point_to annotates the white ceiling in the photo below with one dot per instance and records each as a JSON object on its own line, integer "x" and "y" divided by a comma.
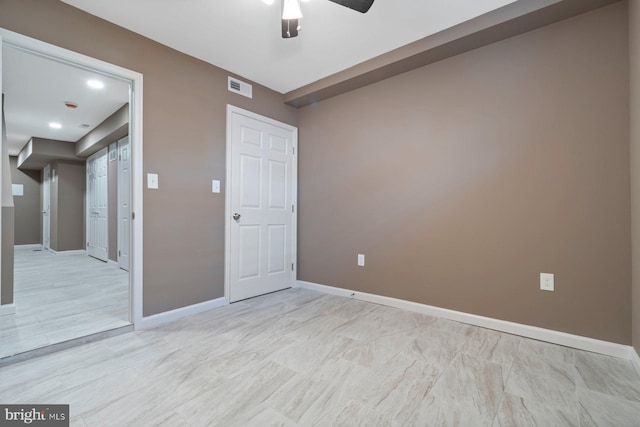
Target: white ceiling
{"x": 36, "y": 89}
{"x": 243, "y": 36}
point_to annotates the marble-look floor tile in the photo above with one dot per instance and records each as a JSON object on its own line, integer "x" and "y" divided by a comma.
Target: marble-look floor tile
{"x": 235, "y": 395}
{"x": 471, "y": 383}
{"x": 493, "y": 346}
{"x": 352, "y": 413}
{"x": 303, "y": 400}
{"x": 435, "y": 411}
{"x": 377, "y": 352}
{"x": 260, "y": 416}
{"x": 601, "y": 410}
{"x": 547, "y": 351}
{"x": 537, "y": 381}
{"x": 380, "y": 321}
{"x": 451, "y": 327}
{"x": 436, "y": 347}
{"x": 314, "y": 327}
{"x": 301, "y": 358}
{"x": 82, "y": 398}
{"x": 395, "y": 389}
{"x": 516, "y": 411}
{"x": 304, "y": 357}
{"x": 351, "y": 308}
{"x": 39, "y": 391}
{"x": 77, "y": 422}
{"x": 608, "y": 375}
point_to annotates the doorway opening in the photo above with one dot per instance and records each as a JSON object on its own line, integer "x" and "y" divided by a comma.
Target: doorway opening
{"x": 74, "y": 275}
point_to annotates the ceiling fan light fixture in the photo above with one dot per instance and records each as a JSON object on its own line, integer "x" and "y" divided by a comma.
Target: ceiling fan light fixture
{"x": 291, "y": 10}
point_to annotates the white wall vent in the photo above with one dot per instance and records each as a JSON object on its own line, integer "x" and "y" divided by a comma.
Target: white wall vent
{"x": 242, "y": 88}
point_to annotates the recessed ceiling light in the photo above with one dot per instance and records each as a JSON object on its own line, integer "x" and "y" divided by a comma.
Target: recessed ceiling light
{"x": 95, "y": 84}
{"x": 55, "y": 125}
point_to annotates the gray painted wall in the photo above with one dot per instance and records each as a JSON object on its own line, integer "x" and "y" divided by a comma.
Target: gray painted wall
{"x": 67, "y": 206}
{"x": 461, "y": 181}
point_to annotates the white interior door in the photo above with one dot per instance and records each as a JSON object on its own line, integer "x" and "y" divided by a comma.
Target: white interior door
{"x": 124, "y": 202}
{"x": 97, "y": 205}
{"x": 261, "y": 202}
{"x": 46, "y": 207}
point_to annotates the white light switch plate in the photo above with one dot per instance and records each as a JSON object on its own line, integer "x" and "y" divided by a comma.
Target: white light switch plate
{"x": 547, "y": 282}
{"x": 152, "y": 181}
{"x": 215, "y": 186}
{"x": 361, "y": 260}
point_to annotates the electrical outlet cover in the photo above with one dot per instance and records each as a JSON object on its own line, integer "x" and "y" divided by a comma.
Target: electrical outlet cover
{"x": 547, "y": 282}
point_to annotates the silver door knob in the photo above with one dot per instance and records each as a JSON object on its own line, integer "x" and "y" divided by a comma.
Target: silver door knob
{"x": 236, "y": 216}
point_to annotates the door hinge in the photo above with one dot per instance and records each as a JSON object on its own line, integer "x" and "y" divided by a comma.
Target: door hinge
{"x": 294, "y": 151}
{"x": 119, "y": 254}
{"x": 291, "y": 266}
{"x": 293, "y": 208}
{"x": 133, "y": 215}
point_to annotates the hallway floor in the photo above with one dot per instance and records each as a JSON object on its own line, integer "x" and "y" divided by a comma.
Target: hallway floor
{"x": 60, "y": 297}
{"x": 301, "y": 358}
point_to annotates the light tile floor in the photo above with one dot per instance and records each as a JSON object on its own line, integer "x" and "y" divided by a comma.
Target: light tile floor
{"x": 302, "y": 358}
{"x": 60, "y": 297}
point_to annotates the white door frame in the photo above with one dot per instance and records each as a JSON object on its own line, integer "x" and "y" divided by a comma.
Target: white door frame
{"x": 37, "y": 47}
{"x": 227, "y": 205}
{"x": 103, "y": 152}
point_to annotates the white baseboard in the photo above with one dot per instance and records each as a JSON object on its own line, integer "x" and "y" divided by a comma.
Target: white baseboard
{"x": 112, "y": 262}
{"x": 74, "y": 252}
{"x": 635, "y": 359}
{"x": 29, "y": 247}
{"x": 7, "y": 309}
{"x": 534, "y": 332}
{"x": 169, "y": 316}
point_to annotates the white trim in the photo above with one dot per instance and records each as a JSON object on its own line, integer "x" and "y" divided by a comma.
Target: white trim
{"x": 65, "y": 253}
{"x": 27, "y": 247}
{"x": 1, "y": 145}
{"x": 172, "y": 315}
{"x": 7, "y": 309}
{"x": 227, "y": 204}
{"x": 59, "y": 54}
{"x": 635, "y": 359}
{"x": 113, "y": 263}
{"x": 534, "y": 332}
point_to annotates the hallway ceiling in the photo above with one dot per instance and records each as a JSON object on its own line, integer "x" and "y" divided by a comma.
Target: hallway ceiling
{"x": 36, "y": 89}
{"x": 243, "y": 36}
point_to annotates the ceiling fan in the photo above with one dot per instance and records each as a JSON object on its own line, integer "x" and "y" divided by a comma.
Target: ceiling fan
{"x": 291, "y": 14}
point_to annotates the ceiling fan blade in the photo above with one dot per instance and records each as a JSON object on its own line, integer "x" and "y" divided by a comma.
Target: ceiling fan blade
{"x": 361, "y": 6}
{"x": 290, "y": 28}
